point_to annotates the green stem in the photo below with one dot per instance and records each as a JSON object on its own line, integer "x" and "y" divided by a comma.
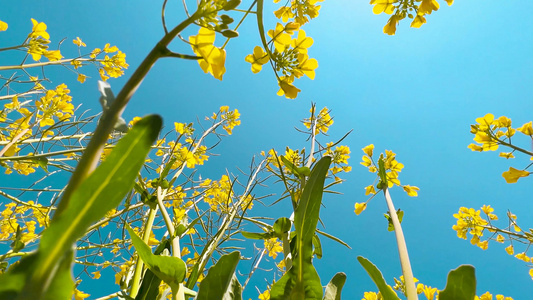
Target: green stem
{"x": 136, "y": 281}
{"x": 91, "y": 156}
{"x": 402, "y": 249}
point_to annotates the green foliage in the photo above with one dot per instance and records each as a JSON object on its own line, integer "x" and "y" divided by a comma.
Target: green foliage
{"x": 220, "y": 282}
{"x": 386, "y": 291}
{"x": 171, "y": 270}
{"x": 461, "y": 284}
{"x": 102, "y": 191}
{"x": 302, "y": 281}
{"x": 334, "y": 287}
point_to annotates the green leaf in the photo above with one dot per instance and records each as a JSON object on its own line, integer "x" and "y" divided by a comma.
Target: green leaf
{"x": 231, "y": 5}
{"x": 336, "y": 239}
{"x": 302, "y": 280}
{"x": 234, "y": 291}
{"x": 171, "y": 270}
{"x": 461, "y": 284}
{"x": 12, "y": 282}
{"x": 334, "y": 287}
{"x": 62, "y": 285}
{"x": 386, "y": 291}
{"x": 281, "y": 226}
{"x": 399, "y": 213}
{"x": 256, "y": 235}
{"x": 317, "y": 247}
{"x": 99, "y": 193}
{"x": 218, "y": 284}
{"x": 150, "y": 283}
{"x": 292, "y": 168}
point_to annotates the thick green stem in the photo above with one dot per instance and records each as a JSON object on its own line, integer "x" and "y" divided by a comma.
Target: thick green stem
{"x": 402, "y": 249}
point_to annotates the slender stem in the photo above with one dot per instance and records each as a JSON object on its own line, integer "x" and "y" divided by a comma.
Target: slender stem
{"x": 43, "y": 64}
{"x": 139, "y": 266}
{"x": 91, "y": 156}
{"x": 402, "y": 249}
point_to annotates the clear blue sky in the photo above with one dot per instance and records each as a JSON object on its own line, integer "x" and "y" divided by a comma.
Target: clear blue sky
{"x": 415, "y": 93}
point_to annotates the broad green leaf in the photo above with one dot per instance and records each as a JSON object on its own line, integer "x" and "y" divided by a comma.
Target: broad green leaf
{"x": 12, "y": 282}
{"x": 461, "y": 284}
{"x": 334, "y": 287}
{"x": 171, "y": 270}
{"x": 149, "y": 288}
{"x": 234, "y": 291}
{"x": 99, "y": 193}
{"x": 62, "y": 285}
{"x": 302, "y": 280}
{"x": 386, "y": 291}
{"x": 219, "y": 278}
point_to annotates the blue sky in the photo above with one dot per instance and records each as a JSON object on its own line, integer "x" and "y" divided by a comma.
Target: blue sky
{"x": 415, "y": 93}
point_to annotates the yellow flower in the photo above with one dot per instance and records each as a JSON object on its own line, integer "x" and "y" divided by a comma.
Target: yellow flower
{"x": 368, "y": 150}
{"x": 509, "y": 250}
{"x": 369, "y": 190}
{"x": 281, "y": 39}
{"x": 287, "y": 89}
{"x": 526, "y": 129}
{"x": 513, "y": 175}
{"x": 390, "y": 27}
{"x": 418, "y": 21}
{"x": 302, "y": 42}
{"x": 380, "y": 6}
{"x": 79, "y": 295}
{"x": 79, "y": 42}
{"x": 306, "y": 66}
{"x": 370, "y": 296}
{"x": 39, "y": 30}
{"x": 3, "y": 26}
{"x": 359, "y": 208}
{"x": 213, "y": 58}
{"x": 450, "y": 2}
{"x": 81, "y": 78}
{"x": 265, "y": 295}
{"x": 523, "y": 256}
{"x": 273, "y": 246}
{"x": 507, "y": 155}
{"x": 257, "y": 59}
{"x": 427, "y": 6}
{"x": 411, "y": 190}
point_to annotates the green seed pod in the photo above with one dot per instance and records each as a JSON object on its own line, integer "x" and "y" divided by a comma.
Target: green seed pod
{"x": 230, "y": 33}
{"x": 231, "y": 5}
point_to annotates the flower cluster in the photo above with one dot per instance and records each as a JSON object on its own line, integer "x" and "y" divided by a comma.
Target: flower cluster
{"x": 110, "y": 66}
{"x": 391, "y": 169}
{"x": 37, "y": 43}
{"x": 288, "y": 46}
{"x": 470, "y": 222}
{"x": 321, "y": 123}
{"x": 490, "y": 133}
{"x": 399, "y": 9}
{"x": 289, "y": 56}
{"x": 22, "y": 218}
